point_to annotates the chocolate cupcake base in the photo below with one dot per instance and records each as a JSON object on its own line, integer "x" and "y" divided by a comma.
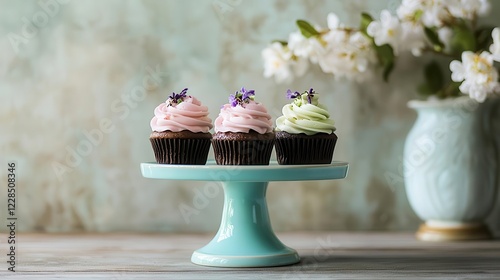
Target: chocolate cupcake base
{"x": 304, "y": 149}
{"x": 232, "y": 148}
{"x": 183, "y": 147}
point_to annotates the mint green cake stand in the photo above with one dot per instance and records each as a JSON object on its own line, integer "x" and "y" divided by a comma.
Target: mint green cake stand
{"x": 245, "y": 237}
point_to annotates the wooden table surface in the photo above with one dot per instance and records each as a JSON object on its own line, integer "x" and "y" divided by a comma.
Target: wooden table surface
{"x": 327, "y": 255}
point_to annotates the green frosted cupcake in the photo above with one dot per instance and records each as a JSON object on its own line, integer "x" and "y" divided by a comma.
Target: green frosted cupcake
{"x": 305, "y": 132}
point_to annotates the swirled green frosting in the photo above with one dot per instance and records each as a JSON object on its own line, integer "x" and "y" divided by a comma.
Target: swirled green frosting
{"x": 303, "y": 117}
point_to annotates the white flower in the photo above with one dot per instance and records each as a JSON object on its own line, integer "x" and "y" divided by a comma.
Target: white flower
{"x": 280, "y": 63}
{"x": 412, "y": 38}
{"x": 347, "y": 55}
{"x": 364, "y": 54}
{"x": 414, "y": 15}
{"x": 468, "y": 9}
{"x": 299, "y": 45}
{"x": 435, "y": 12}
{"x": 303, "y": 47}
{"x": 495, "y": 47}
{"x": 386, "y": 31}
{"x": 479, "y": 76}
{"x": 333, "y": 21}
{"x": 431, "y": 13}
{"x": 336, "y": 32}
{"x": 410, "y": 10}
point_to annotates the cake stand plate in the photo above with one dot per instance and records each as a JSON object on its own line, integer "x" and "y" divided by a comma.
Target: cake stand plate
{"x": 245, "y": 237}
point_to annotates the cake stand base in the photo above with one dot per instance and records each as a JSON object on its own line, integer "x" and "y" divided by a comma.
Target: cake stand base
{"x": 245, "y": 237}
{"x": 288, "y": 257}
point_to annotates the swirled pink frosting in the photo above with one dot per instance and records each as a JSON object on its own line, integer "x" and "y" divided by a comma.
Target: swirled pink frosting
{"x": 253, "y": 116}
{"x": 187, "y": 115}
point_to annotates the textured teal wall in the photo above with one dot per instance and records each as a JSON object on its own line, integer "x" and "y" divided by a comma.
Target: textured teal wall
{"x": 88, "y": 67}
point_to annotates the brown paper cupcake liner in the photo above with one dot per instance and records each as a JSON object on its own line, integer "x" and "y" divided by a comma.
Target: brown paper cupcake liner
{"x": 305, "y": 150}
{"x": 180, "y": 151}
{"x": 242, "y": 152}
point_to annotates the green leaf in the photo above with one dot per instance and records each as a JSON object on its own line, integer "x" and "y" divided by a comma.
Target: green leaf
{"x": 385, "y": 55}
{"x": 306, "y": 29}
{"x": 434, "y": 38}
{"x": 483, "y": 37}
{"x": 463, "y": 39}
{"x": 387, "y": 71}
{"x": 283, "y": 43}
{"x": 434, "y": 78}
{"x": 366, "y": 19}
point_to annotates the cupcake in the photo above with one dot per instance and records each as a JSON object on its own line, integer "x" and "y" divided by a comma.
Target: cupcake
{"x": 243, "y": 132}
{"x": 305, "y": 132}
{"x": 180, "y": 130}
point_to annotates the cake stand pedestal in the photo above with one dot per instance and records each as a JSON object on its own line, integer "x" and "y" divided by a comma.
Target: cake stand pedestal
{"x": 245, "y": 237}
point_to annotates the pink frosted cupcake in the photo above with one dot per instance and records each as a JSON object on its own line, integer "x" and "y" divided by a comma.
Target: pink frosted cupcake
{"x": 180, "y": 130}
{"x": 243, "y": 132}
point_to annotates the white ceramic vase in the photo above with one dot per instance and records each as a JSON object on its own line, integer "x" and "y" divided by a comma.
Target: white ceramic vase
{"x": 451, "y": 163}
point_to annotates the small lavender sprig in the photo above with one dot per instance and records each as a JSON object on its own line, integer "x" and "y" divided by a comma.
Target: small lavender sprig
{"x": 243, "y": 96}
{"x": 177, "y": 98}
{"x": 294, "y": 95}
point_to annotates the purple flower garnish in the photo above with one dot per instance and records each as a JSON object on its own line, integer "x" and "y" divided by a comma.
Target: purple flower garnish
{"x": 292, "y": 95}
{"x": 183, "y": 92}
{"x": 310, "y": 95}
{"x": 233, "y": 100}
{"x": 241, "y": 97}
{"x": 247, "y": 94}
{"x": 177, "y": 98}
